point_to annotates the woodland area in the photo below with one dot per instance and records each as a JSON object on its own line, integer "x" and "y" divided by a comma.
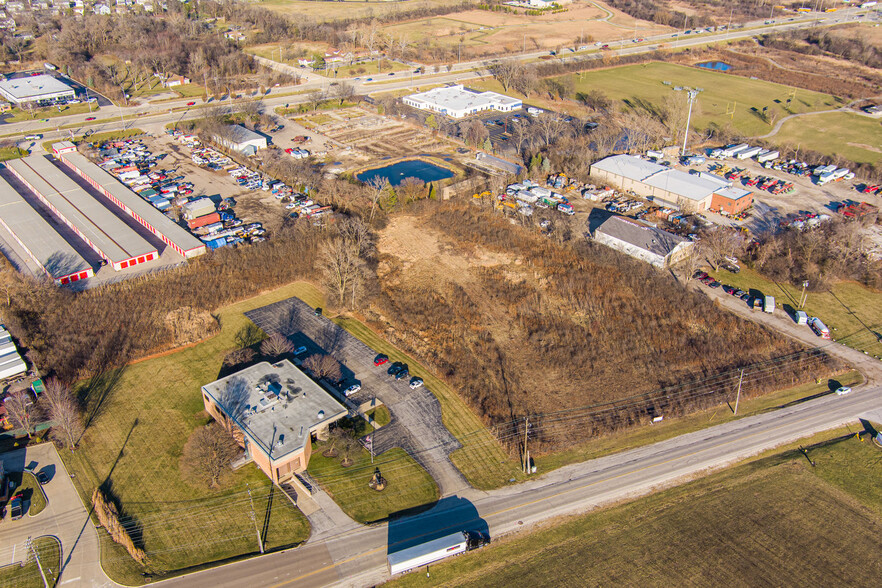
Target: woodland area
{"x": 571, "y": 325}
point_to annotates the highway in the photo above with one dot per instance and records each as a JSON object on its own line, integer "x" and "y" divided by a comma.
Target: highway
{"x": 111, "y": 118}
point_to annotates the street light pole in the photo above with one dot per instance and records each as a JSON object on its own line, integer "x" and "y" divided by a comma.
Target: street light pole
{"x": 692, "y": 94}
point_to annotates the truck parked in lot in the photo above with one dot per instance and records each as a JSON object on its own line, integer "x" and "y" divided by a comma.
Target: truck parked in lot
{"x": 819, "y": 328}
{"x": 769, "y": 304}
{"x": 435, "y": 550}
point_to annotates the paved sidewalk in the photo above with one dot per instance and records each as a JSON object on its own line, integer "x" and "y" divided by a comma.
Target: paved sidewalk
{"x": 64, "y": 517}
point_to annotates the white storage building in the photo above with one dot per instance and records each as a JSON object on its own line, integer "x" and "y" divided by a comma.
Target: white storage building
{"x": 458, "y": 101}
{"x": 39, "y": 88}
{"x": 238, "y": 138}
{"x": 654, "y": 246}
{"x": 11, "y": 363}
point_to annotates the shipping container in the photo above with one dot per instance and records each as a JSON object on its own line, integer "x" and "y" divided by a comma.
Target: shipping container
{"x": 203, "y": 220}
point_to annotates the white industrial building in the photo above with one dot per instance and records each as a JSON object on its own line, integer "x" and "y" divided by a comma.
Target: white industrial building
{"x": 458, "y": 101}
{"x": 238, "y": 138}
{"x": 654, "y": 246}
{"x": 41, "y": 88}
{"x": 671, "y": 187}
{"x": 11, "y": 363}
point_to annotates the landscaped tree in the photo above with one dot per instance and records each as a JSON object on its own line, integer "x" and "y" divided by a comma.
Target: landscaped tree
{"x": 239, "y": 356}
{"x": 23, "y": 411}
{"x": 323, "y": 366}
{"x": 64, "y": 411}
{"x": 276, "y": 345}
{"x": 108, "y": 516}
{"x": 208, "y": 453}
{"x": 249, "y": 335}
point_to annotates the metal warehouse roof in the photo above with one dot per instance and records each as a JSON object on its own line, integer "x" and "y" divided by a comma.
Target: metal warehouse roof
{"x": 683, "y": 184}
{"x": 240, "y": 134}
{"x": 645, "y": 237}
{"x": 733, "y": 193}
{"x": 48, "y": 248}
{"x": 628, "y": 166}
{"x": 279, "y": 415}
{"x": 109, "y": 233}
{"x": 135, "y": 204}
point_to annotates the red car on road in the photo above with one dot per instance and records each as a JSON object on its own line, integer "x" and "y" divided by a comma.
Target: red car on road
{"x": 90, "y": 118}
{"x": 191, "y": 104}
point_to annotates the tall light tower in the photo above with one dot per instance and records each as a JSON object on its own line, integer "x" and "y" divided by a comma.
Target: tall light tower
{"x": 692, "y": 94}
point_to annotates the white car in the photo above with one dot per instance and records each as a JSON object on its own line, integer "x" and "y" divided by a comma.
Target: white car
{"x": 842, "y": 390}
{"x": 352, "y": 389}
{"x": 415, "y": 383}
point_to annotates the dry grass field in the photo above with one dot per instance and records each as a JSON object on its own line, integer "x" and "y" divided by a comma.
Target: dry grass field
{"x": 482, "y": 32}
{"x": 774, "y": 522}
{"x": 326, "y": 11}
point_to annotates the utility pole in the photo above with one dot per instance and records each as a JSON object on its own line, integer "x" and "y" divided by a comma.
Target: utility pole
{"x": 30, "y": 545}
{"x": 691, "y": 94}
{"x": 526, "y": 455}
{"x": 738, "y": 396}
{"x": 254, "y": 519}
{"x": 803, "y": 295}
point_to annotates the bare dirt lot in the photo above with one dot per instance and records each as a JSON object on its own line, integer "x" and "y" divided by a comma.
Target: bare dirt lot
{"x": 356, "y": 137}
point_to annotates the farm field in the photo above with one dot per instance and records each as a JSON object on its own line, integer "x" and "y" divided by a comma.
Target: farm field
{"x": 133, "y": 445}
{"x": 856, "y": 137}
{"x": 326, "y": 11}
{"x": 774, "y": 521}
{"x": 636, "y": 86}
{"x": 482, "y": 32}
{"x": 852, "y": 311}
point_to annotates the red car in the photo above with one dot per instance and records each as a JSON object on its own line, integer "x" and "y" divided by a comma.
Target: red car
{"x": 380, "y": 359}
{"x": 191, "y": 104}
{"x": 90, "y": 118}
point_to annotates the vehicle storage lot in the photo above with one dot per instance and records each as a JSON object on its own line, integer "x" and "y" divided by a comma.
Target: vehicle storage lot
{"x": 251, "y": 205}
{"x": 770, "y": 210}
{"x": 416, "y": 414}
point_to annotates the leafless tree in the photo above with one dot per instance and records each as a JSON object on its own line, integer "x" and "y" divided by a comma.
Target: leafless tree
{"x": 693, "y": 261}
{"x": 411, "y": 190}
{"x": 403, "y": 42}
{"x": 720, "y": 242}
{"x": 344, "y": 91}
{"x": 550, "y": 126}
{"x": 314, "y": 98}
{"x": 63, "y": 410}
{"x": 208, "y": 453}
{"x": 323, "y": 366}
{"x": 276, "y": 345}
{"x": 378, "y": 187}
{"x": 239, "y": 356}
{"x": 506, "y": 71}
{"x": 23, "y": 410}
{"x": 342, "y": 269}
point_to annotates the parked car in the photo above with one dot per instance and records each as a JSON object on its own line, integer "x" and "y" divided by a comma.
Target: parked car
{"x": 15, "y": 507}
{"x": 728, "y": 289}
{"x": 415, "y": 382}
{"x": 714, "y": 284}
{"x": 300, "y": 350}
{"x": 403, "y": 373}
{"x": 352, "y": 389}
{"x": 842, "y": 390}
{"x": 381, "y": 359}
{"x": 699, "y": 275}
{"x": 42, "y": 478}
{"x": 395, "y": 368}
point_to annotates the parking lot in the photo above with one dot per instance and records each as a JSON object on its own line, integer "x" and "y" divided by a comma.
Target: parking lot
{"x": 416, "y": 414}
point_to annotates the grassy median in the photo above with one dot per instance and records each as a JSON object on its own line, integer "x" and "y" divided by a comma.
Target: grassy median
{"x": 775, "y": 521}
{"x": 28, "y": 575}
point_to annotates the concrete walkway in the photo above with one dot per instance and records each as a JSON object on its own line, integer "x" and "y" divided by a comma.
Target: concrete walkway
{"x": 64, "y": 517}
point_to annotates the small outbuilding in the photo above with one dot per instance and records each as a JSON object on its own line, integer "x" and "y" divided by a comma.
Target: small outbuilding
{"x": 238, "y": 138}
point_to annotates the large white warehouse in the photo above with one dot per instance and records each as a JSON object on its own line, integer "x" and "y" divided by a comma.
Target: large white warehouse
{"x": 458, "y": 101}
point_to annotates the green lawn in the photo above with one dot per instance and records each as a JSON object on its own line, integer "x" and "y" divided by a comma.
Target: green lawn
{"x": 380, "y": 415}
{"x": 144, "y": 415}
{"x": 481, "y": 459}
{"x": 28, "y": 576}
{"x": 859, "y": 138}
{"x": 631, "y": 86}
{"x": 775, "y": 521}
{"x": 19, "y": 115}
{"x": 408, "y": 484}
{"x": 853, "y": 312}
{"x": 32, "y": 493}
{"x": 7, "y": 153}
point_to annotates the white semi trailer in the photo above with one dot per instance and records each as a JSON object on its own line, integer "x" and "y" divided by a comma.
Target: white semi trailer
{"x": 434, "y": 550}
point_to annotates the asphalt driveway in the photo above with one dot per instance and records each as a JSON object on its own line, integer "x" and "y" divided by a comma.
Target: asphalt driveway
{"x": 416, "y": 423}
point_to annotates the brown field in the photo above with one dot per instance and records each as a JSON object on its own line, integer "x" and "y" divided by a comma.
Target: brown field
{"x": 486, "y": 305}
{"x": 483, "y": 32}
{"x": 326, "y": 11}
{"x": 871, "y": 34}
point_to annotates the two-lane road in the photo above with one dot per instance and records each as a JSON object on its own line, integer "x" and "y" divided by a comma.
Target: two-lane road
{"x": 358, "y": 558}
